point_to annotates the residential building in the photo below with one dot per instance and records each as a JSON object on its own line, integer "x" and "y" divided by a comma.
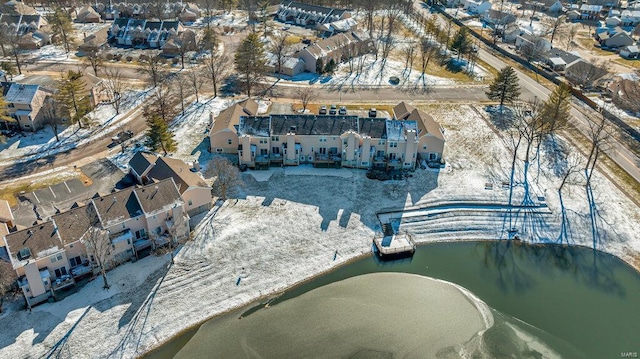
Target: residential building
{"x": 140, "y": 165}
{"x": 97, "y": 88}
{"x": 291, "y": 66}
{"x": 6, "y": 214}
{"x": 477, "y": 6}
{"x": 48, "y": 255}
{"x": 87, "y": 14}
{"x": 573, "y": 15}
{"x": 629, "y": 52}
{"x": 25, "y": 104}
{"x": 309, "y": 15}
{"x": 331, "y": 28}
{"x": 190, "y": 13}
{"x": 339, "y": 140}
{"x": 27, "y": 29}
{"x": 585, "y": 74}
{"x": 590, "y": 12}
{"x": 496, "y": 17}
{"x": 629, "y": 17}
{"x": 223, "y": 135}
{"x": 613, "y": 21}
{"x": 554, "y": 7}
{"x": 94, "y": 42}
{"x": 144, "y": 33}
{"x": 194, "y": 191}
{"x": 339, "y": 48}
{"x": 531, "y": 46}
{"x": 625, "y": 94}
{"x": 558, "y": 60}
{"x": 619, "y": 39}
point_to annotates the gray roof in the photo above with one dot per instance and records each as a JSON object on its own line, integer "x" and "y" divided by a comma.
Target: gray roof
{"x": 308, "y": 7}
{"x": 159, "y": 195}
{"x": 167, "y": 167}
{"x": 141, "y": 161}
{"x": 566, "y": 56}
{"x": 313, "y": 125}
{"x": 117, "y": 207}
{"x": 73, "y": 224}
{"x": 396, "y": 129}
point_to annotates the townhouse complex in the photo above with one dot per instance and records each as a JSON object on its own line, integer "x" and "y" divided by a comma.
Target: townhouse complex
{"x": 51, "y": 255}
{"x": 402, "y": 142}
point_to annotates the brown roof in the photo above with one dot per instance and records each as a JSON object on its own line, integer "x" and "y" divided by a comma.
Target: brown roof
{"x": 117, "y": 207}
{"x": 141, "y": 161}
{"x": 167, "y": 167}
{"x": 5, "y": 211}
{"x": 87, "y": 12}
{"x": 402, "y": 110}
{"x": 159, "y": 195}
{"x": 37, "y": 238}
{"x": 230, "y": 117}
{"x": 4, "y": 230}
{"x": 73, "y": 224}
{"x": 426, "y": 123}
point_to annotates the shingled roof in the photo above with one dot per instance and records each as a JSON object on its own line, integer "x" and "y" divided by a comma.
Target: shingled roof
{"x": 167, "y": 167}
{"x": 73, "y": 224}
{"x": 426, "y": 124}
{"x": 229, "y": 117}
{"x": 117, "y": 207}
{"x": 141, "y": 161}
{"x": 158, "y": 196}
{"x": 38, "y": 239}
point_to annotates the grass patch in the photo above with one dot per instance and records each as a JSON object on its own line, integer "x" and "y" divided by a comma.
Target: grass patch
{"x": 629, "y": 63}
{"x": 588, "y": 43}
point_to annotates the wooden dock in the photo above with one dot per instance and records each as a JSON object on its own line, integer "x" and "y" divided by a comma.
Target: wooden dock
{"x": 396, "y": 245}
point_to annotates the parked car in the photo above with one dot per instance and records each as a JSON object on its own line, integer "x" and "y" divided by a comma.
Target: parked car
{"x": 333, "y": 110}
{"x": 122, "y": 136}
{"x": 373, "y": 112}
{"x": 306, "y": 41}
{"x": 394, "y": 80}
{"x": 323, "y": 110}
{"x": 342, "y": 110}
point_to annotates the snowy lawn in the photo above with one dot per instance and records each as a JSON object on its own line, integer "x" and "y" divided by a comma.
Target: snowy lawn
{"x": 287, "y": 229}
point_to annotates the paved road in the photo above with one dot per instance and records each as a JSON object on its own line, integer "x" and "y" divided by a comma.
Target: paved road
{"x": 619, "y": 153}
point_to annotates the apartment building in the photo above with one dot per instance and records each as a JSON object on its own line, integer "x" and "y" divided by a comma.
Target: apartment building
{"x": 49, "y": 256}
{"x": 309, "y": 15}
{"x": 340, "y": 140}
{"x": 144, "y": 33}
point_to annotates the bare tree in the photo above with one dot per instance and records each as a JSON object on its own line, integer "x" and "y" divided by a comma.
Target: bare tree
{"x": 226, "y": 177}
{"x": 7, "y": 280}
{"x": 527, "y": 120}
{"x": 306, "y": 95}
{"x": 534, "y": 50}
{"x": 152, "y": 69}
{"x": 409, "y": 57}
{"x": 51, "y": 115}
{"x": 182, "y": 87}
{"x": 280, "y": 49}
{"x": 427, "y": 50}
{"x": 93, "y": 58}
{"x": 217, "y": 67}
{"x": 557, "y": 26}
{"x": 586, "y": 74}
{"x": 196, "y": 81}
{"x": 116, "y": 86}
{"x": 99, "y": 244}
{"x": 568, "y": 173}
{"x": 570, "y": 36}
{"x": 163, "y": 101}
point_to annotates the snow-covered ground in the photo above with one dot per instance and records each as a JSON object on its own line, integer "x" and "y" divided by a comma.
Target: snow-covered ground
{"x": 611, "y": 107}
{"x": 49, "y": 53}
{"x": 287, "y": 229}
{"x": 31, "y": 146}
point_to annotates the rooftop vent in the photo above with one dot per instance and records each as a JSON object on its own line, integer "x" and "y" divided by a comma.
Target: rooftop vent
{"x": 24, "y": 253}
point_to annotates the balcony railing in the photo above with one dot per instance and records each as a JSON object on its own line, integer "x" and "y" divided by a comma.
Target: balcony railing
{"x": 327, "y": 158}
{"x": 62, "y": 282}
{"x": 262, "y": 159}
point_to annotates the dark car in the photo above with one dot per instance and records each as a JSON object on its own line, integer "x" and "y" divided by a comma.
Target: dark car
{"x": 342, "y": 110}
{"x": 373, "y": 112}
{"x": 122, "y": 136}
{"x": 323, "y": 110}
{"x": 333, "y": 110}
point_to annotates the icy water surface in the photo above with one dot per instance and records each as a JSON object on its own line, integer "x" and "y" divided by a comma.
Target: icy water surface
{"x": 541, "y": 302}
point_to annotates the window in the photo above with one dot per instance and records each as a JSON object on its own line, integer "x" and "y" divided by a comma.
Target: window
{"x": 219, "y": 150}
{"x": 27, "y": 126}
{"x": 275, "y": 150}
{"x": 190, "y": 202}
{"x": 141, "y": 234}
{"x": 381, "y": 143}
{"x": 322, "y": 139}
{"x": 322, "y": 150}
{"x": 365, "y": 163}
{"x": 275, "y": 138}
{"x": 263, "y": 140}
{"x": 393, "y": 144}
{"x": 392, "y": 156}
{"x": 264, "y": 152}
{"x": 75, "y": 261}
{"x": 229, "y": 141}
{"x": 57, "y": 257}
{"x": 60, "y": 272}
{"x": 432, "y": 156}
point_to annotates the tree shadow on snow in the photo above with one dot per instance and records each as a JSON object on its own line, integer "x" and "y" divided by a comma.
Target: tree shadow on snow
{"x": 338, "y": 198}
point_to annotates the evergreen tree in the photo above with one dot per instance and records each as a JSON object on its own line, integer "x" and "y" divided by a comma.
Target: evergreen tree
{"x": 209, "y": 40}
{"x": 159, "y": 136}
{"x": 331, "y": 66}
{"x": 250, "y": 62}
{"x": 555, "y": 111}
{"x": 319, "y": 66}
{"x": 61, "y": 27}
{"x": 461, "y": 42}
{"x": 505, "y": 87}
{"x": 4, "y": 113}
{"x": 73, "y": 97}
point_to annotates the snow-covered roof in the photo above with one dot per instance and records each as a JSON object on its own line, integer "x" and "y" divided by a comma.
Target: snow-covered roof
{"x": 557, "y": 61}
{"x": 21, "y": 93}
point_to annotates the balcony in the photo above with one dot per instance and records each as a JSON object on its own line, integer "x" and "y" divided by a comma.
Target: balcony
{"x": 276, "y": 158}
{"x": 327, "y": 158}
{"x": 62, "y": 282}
{"x": 262, "y": 159}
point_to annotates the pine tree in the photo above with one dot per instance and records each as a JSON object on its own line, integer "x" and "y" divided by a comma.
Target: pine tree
{"x": 73, "y": 97}
{"x": 250, "y": 62}
{"x": 209, "y": 40}
{"x": 505, "y": 87}
{"x": 159, "y": 136}
{"x": 4, "y": 113}
{"x": 461, "y": 42}
{"x": 61, "y": 27}
{"x": 555, "y": 111}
